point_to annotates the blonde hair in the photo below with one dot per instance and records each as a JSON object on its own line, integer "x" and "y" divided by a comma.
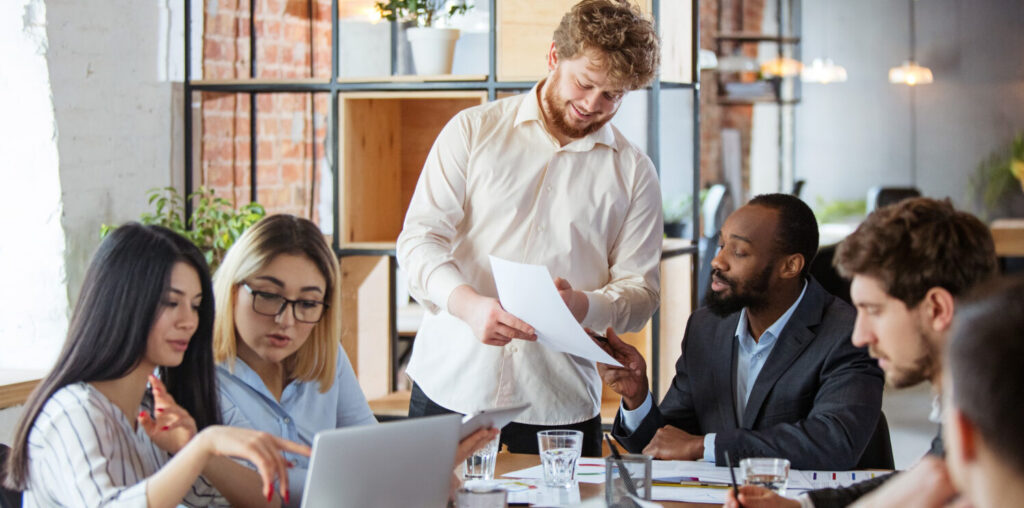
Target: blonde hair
{"x": 255, "y": 249}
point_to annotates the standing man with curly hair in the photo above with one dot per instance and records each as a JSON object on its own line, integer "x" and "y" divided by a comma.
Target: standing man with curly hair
{"x": 539, "y": 178}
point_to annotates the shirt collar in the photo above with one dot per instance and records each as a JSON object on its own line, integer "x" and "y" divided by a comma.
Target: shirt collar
{"x": 773, "y": 331}
{"x": 529, "y": 111}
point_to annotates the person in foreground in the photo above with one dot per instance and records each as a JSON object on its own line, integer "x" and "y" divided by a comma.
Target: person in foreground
{"x": 92, "y": 433}
{"x": 909, "y": 263}
{"x": 983, "y": 393}
{"x": 539, "y": 178}
{"x": 282, "y": 369}
{"x": 767, "y": 367}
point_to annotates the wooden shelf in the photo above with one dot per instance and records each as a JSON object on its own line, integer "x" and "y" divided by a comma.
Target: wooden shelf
{"x": 756, "y": 37}
{"x": 414, "y": 78}
{"x": 1009, "y": 237}
{"x": 260, "y": 81}
{"x": 384, "y": 140}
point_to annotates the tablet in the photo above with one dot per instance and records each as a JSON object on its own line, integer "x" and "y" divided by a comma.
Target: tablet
{"x": 497, "y": 418}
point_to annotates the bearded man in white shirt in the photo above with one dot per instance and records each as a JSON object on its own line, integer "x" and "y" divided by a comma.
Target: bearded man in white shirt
{"x": 540, "y": 178}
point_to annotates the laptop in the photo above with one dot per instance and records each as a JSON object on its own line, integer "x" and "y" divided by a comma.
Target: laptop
{"x": 390, "y": 465}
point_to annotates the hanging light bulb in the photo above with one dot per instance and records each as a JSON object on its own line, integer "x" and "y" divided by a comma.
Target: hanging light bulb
{"x": 910, "y": 73}
{"x": 823, "y": 71}
{"x": 782, "y": 67}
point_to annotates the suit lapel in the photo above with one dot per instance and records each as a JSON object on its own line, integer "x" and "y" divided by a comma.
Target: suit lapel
{"x": 723, "y": 367}
{"x": 795, "y": 337}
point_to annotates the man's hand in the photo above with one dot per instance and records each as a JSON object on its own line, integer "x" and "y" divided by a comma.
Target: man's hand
{"x": 484, "y": 315}
{"x": 758, "y": 497}
{"x": 576, "y": 301}
{"x": 630, "y": 380}
{"x": 673, "y": 443}
{"x": 925, "y": 485}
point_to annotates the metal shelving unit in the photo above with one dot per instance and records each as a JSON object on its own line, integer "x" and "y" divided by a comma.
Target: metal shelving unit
{"x": 489, "y": 83}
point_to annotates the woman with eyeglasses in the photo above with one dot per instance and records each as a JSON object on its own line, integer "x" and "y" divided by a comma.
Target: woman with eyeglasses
{"x": 101, "y": 429}
{"x": 277, "y": 340}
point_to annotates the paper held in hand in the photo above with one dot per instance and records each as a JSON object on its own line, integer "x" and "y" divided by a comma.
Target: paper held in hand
{"x": 529, "y": 293}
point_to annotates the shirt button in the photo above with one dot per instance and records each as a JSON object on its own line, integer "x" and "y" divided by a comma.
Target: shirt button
{"x": 513, "y": 349}
{"x": 287, "y": 420}
{"x": 548, "y": 188}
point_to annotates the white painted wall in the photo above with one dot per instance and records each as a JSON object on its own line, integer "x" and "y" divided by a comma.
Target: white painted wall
{"x": 92, "y": 105}
{"x": 851, "y": 136}
{"x": 119, "y": 124}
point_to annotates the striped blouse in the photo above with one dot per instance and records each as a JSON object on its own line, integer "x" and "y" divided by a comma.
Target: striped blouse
{"x": 84, "y": 452}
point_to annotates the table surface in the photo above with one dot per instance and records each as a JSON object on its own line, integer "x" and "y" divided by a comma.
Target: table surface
{"x": 508, "y": 462}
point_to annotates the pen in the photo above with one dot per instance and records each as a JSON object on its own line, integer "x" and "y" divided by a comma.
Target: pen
{"x": 623, "y": 473}
{"x": 732, "y": 475}
{"x": 600, "y": 338}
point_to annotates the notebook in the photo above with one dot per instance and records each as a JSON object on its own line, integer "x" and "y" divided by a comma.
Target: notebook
{"x": 390, "y": 465}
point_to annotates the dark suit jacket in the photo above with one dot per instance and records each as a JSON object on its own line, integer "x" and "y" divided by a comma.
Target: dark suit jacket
{"x": 837, "y": 498}
{"x": 816, "y": 401}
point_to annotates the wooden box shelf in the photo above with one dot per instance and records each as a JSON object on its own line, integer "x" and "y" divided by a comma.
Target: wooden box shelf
{"x": 384, "y": 141}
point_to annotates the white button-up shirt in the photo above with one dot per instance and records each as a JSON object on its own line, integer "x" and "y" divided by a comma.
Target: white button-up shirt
{"x": 496, "y": 182}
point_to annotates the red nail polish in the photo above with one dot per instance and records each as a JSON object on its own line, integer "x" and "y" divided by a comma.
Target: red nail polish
{"x": 165, "y": 427}
{"x": 286, "y": 497}
{"x": 159, "y": 410}
{"x": 142, "y": 414}
{"x": 270, "y": 493}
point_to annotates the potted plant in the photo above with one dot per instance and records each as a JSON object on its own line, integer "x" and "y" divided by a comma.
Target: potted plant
{"x": 213, "y": 227}
{"x": 677, "y": 212}
{"x": 998, "y": 182}
{"x": 433, "y": 47}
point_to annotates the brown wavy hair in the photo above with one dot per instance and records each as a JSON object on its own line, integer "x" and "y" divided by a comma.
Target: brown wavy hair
{"x": 626, "y": 39}
{"x": 917, "y": 244}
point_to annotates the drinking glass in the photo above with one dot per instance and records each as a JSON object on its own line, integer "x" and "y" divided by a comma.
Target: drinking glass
{"x": 559, "y": 451}
{"x": 772, "y": 474}
{"x": 480, "y": 465}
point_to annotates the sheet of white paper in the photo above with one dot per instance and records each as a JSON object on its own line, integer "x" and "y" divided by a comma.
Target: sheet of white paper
{"x": 588, "y": 470}
{"x": 688, "y": 494}
{"x": 806, "y": 480}
{"x": 677, "y": 470}
{"x": 528, "y": 292}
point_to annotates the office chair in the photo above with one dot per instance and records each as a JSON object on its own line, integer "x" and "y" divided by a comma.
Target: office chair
{"x": 8, "y": 498}
{"x": 878, "y": 453}
{"x": 881, "y": 196}
{"x": 717, "y": 206}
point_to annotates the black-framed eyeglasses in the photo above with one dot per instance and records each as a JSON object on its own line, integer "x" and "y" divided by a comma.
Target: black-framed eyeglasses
{"x": 270, "y": 304}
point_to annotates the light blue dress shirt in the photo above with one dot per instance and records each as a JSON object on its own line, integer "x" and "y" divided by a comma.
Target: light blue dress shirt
{"x": 750, "y": 358}
{"x": 302, "y": 412}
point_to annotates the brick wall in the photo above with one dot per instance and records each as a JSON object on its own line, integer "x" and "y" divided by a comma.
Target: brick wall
{"x": 736, "y": 15}
{"x": 293, "y": 40}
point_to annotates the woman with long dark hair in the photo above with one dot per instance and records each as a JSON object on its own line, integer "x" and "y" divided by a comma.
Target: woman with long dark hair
{"x": 93, "y": 434}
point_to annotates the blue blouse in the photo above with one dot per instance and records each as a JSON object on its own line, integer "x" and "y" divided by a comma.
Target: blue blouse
{"x": 302, "y": 412}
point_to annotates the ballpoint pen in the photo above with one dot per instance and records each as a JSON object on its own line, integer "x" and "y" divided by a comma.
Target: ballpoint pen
{"x": 732, "y": 475}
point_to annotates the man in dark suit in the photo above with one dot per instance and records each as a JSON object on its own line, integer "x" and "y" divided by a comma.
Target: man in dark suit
{"x": 767, "y": 367}
{"x": 909, "y": 263}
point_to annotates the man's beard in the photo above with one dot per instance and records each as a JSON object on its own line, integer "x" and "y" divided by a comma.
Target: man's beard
{"x": 922, "y": 368}
{"x": 752, "y": 294}
{"x": 557, "y": 111}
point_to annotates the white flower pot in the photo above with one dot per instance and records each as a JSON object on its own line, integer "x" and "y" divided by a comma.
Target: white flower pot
{"x": 432, "y": 49}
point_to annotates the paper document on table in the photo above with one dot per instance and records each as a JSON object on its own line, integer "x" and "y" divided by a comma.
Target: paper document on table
{"x": 807, "y": 480}
{"x": 588, "y": 470}
{"x": 528, "y": 292}
{"x": 675, "y": 471}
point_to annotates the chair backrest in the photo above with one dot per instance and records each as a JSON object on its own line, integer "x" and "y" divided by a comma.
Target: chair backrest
{"x": 827, "y": 275}
{"x": 8, "y": 498}
{"x": 878, "y": 454}
{"x": 882, "y": 196}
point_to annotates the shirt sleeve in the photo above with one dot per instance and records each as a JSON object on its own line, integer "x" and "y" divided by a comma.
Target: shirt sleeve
{"x": 632, "y": 294}
{"x": 631, "y": 419}
{"x": 74, "y": 461}
{"x": 709, "y": 447}
{"x": 352, "y": 406}
{"x": 424, "y": 246}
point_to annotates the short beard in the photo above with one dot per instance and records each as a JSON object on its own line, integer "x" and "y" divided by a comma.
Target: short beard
{"x": 557, "y": 112}
{"x": 923, "y": 368}
{"x": 752, "y": 295}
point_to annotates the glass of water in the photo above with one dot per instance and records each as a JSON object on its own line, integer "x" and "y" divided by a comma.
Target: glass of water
{"x": 772, "y": 474}
{"x": 559, "y": 451}
{"x": 480, "y": 465}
